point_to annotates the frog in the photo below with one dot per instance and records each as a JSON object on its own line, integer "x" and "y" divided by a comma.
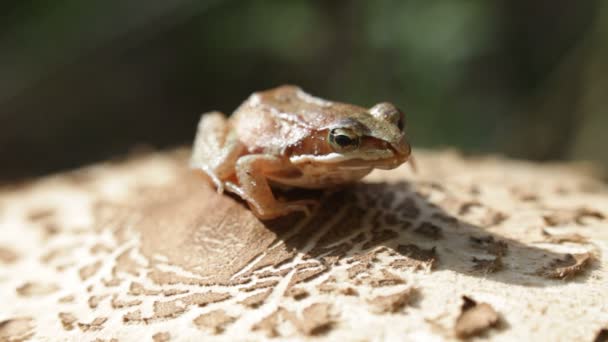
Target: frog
{"x": 285, "y": 137}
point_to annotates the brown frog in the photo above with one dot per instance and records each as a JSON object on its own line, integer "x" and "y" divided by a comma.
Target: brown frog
{"x": 286, "y": 137}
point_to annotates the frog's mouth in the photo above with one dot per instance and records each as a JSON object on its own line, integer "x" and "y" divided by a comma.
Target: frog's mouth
{"x": 381, "y": 159}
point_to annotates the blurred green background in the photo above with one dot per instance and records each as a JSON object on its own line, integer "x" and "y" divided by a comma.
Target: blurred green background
{"x": 82, "y": 81}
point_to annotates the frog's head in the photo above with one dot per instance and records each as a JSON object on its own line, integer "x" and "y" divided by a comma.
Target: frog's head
{"x": 373, "y": 138}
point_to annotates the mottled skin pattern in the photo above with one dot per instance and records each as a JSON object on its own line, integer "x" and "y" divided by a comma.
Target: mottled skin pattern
{"x": 142, "y": 251}
{"x": 285, "y": 136}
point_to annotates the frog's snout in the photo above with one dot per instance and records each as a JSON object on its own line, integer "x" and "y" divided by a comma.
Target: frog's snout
{"x": 402, "y": 148}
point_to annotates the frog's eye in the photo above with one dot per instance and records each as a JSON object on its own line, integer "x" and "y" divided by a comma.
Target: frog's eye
{"x": 388, "y": 112}
{"x": 343, "y": 139}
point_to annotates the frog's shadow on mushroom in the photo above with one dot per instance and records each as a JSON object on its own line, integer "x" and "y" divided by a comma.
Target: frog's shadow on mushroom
{"x": 397, "y": 220}
{"x": 217, "y": 238}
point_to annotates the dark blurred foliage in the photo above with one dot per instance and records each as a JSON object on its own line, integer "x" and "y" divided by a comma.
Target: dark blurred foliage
{"x": 81, "y": 81}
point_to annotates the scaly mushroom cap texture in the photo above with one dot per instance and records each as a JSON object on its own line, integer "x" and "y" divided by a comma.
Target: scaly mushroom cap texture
{"x": 144, "y": 249}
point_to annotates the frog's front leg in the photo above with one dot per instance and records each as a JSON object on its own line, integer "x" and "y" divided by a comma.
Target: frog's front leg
{"x": 252, "y": 171}
{"x": 216, "y": 149}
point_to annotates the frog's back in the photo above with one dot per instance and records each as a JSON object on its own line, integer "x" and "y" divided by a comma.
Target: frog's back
{"x": 271, "y": 120}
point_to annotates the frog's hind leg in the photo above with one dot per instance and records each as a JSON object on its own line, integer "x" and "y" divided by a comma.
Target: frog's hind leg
{"x": 216, "y": 149}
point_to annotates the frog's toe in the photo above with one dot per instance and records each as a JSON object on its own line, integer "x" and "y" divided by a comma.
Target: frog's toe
{"x": 285, "y": 208}
{"x": 217, "y": 182}
{"x": 305, "y": 206}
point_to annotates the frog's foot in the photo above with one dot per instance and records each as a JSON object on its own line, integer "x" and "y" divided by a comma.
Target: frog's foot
{"x": 219, "y": 185}
{"x": 235, "y": 189}
{"x": 284, "y": 208}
